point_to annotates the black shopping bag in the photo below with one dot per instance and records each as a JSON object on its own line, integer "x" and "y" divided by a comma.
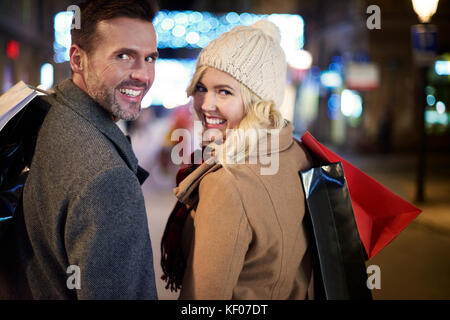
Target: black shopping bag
{"x": 22, "y": 112}
{"x": 339, "y": 268}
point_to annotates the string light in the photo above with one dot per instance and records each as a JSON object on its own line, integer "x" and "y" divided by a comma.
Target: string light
{"x": 193, "y": 29}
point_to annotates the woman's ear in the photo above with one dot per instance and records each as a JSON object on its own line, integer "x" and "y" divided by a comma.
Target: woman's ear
{"x": 77, "y": 57}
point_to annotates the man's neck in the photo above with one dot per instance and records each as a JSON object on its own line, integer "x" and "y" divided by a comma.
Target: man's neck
{"x": 78, "y": 80}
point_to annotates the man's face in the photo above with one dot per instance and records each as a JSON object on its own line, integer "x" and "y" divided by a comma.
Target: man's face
{"x": 121, "y": 67}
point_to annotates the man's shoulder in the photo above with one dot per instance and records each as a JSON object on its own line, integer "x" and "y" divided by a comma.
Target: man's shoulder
{"x": 63, "y": 122}
{"x": 67, "y": 137}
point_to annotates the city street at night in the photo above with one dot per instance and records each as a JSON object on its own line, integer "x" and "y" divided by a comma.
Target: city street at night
{"x": 414, "y": 266}
{"x": 103, "y": 103}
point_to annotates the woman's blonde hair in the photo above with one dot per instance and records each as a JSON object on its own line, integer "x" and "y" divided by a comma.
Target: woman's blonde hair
{"x": 259, "y": 114}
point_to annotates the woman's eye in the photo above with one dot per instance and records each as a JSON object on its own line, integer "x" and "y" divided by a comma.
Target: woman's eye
{"x": 123, "y": 56}
{"x": 225, "y": 92}
{"x": 200, "y": 88}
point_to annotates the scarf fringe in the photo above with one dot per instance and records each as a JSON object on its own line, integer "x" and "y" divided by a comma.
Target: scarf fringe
{"x": 173, "y": 262}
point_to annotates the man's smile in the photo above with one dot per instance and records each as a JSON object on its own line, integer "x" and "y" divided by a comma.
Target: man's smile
{"x": 130, "y": 92}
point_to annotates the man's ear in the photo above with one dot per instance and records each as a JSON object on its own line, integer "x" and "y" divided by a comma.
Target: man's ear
{"x": 77, "y": 59}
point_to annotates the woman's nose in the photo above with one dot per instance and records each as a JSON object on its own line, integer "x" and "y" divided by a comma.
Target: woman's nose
{"x": 209, "y": 103}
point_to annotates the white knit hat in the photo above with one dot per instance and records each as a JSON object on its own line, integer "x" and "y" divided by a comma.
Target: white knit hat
{"x": 253, "y": 56}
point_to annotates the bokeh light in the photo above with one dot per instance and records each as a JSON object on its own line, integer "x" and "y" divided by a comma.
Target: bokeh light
{"x": 351, "y": 103}
{"x": 440, "y": 107}
{"x": 47, "y": 76}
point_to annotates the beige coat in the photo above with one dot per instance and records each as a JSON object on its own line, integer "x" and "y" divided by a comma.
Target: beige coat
{"x": 245, "y": 237}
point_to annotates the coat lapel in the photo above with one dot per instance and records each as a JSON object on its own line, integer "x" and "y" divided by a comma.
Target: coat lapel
{"x": 185, "y": 190}
{"x": 76, "y": 99}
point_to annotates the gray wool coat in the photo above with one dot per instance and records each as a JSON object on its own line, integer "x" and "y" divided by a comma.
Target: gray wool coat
{"x": 82, "y": 206}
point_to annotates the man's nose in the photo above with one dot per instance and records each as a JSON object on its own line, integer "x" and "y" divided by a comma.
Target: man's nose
{"x": 143, "y": 72}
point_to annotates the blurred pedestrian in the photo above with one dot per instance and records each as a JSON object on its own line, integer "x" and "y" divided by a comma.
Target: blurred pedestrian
{"x": 385, "y": 131}
{"x": 84, "y": 231}
{"x": 236, "y": 232}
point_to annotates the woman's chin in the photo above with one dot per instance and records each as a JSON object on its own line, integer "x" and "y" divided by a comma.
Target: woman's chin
{"x": 214, "y": 134}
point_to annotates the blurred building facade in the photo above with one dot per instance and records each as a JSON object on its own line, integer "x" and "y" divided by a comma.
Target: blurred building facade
{"x": 26, "y": 40}
{"x": 336, "y": 35}
{"x": 339, "y": 29}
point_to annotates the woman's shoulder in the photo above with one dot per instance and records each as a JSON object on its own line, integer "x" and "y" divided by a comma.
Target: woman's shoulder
{"x": 219, "y": 176}
{"x": 221, "y": 185}
{"x": 210, "y": 176}
{"x": 233, "y": 178}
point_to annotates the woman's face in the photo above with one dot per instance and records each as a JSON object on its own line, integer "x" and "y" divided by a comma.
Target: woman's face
{"x": 218, "y": 101}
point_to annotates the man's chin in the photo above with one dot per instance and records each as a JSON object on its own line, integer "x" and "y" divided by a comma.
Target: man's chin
{"x": 127, "y": 115}
{"x": 126, "y": 110}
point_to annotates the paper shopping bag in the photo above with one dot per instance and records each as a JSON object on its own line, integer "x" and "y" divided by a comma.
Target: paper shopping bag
{"x": 380, "y": 214}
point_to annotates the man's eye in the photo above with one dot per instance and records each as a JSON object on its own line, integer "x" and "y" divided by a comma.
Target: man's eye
{"x": 123, "y": 56}
{"x": 149, "y": 59}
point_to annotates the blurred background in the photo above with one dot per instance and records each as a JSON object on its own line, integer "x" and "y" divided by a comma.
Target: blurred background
{"x": 369, "y": 79}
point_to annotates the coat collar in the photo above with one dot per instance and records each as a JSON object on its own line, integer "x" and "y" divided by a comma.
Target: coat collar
{"x": 185, "y": 191}
{"x": 76, "y": 99}
{"x": 285, "y": 141}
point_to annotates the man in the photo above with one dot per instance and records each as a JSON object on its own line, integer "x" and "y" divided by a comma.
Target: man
{"x": 85, "y": 232}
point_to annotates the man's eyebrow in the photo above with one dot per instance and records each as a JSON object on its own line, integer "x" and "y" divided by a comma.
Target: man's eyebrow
{"x": 125, "y": 50}
{"x": 154, "y": 55}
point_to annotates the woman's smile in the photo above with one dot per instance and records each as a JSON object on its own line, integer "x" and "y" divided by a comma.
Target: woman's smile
{"x": 214, "y": 122}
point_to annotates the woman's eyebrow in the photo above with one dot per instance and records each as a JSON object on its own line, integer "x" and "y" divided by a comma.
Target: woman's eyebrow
{"x": 224, "y": 86}
{"x": 218, "y": 86}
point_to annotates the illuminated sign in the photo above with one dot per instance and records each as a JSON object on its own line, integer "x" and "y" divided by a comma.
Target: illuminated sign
{"x": 12, "y": 49}
{"x": 331, "y": 79}
{"x": 442, "y": 67}
{"x": 362, "y": 76}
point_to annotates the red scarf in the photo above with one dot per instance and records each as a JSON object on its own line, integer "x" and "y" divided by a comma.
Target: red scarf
{"x": 172, "y": 259}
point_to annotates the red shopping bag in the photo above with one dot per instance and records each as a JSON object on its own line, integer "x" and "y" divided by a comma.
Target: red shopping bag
{"x": 380, "y": 214}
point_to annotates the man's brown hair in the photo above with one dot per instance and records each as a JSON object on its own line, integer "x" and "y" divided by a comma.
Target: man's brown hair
{"x": 94, "y": 11}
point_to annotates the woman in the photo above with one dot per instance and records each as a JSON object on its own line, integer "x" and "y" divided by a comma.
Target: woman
{"x": 237, "y": 232}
